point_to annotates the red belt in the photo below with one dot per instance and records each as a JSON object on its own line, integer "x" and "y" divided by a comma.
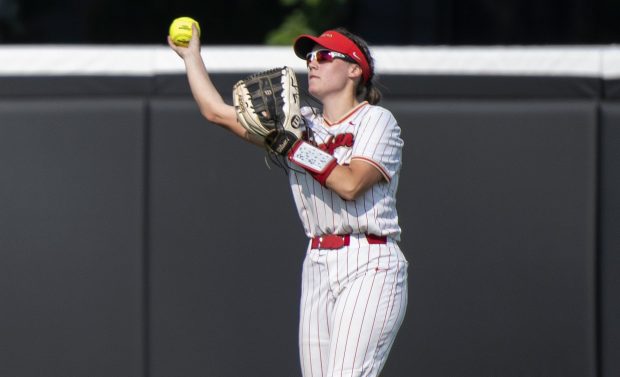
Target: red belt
{"x": 336, "y": 241}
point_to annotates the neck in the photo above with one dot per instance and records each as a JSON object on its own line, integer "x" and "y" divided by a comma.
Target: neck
{"x": 336, "y": 108}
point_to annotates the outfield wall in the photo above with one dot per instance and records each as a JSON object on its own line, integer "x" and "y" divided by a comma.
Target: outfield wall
{"x": 137, "y": 239}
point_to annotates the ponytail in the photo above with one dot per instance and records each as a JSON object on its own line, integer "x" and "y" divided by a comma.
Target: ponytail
{"x": 369, "y": 92}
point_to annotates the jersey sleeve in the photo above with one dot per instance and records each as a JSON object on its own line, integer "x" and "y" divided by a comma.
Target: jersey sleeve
{"x": 378, "y": 142}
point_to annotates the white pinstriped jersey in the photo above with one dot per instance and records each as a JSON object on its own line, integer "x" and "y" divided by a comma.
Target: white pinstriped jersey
{"x": 369, "y": 133}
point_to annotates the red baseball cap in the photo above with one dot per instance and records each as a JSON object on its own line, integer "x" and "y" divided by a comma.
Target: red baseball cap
{"x": 335, "y": 41}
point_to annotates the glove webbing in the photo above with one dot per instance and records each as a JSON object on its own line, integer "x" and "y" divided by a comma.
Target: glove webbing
{"x": 269, "y": 85}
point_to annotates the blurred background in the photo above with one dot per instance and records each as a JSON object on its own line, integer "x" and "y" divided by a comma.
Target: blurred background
{"x": 394, "y": 22}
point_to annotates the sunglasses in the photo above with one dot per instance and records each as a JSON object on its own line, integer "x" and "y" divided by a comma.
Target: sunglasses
{"x": 326, "y": 56}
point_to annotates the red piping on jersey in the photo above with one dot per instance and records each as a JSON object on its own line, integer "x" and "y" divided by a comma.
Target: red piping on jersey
{"x": 347, "y": 115}
{"x": 375, "y": 164}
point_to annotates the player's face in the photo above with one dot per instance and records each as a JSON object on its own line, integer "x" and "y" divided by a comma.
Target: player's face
{"x": 328, "y": 72}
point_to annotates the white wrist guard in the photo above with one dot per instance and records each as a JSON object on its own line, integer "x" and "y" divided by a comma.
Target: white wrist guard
{"x": 311, "y": 158}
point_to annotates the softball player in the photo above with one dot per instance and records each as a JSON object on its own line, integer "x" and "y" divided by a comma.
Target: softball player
{"x": 354, "y": 279}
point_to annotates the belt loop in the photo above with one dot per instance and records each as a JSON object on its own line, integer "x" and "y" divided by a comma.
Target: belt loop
{"x": 376, "y": 240}
{"x": 346, "y": 240}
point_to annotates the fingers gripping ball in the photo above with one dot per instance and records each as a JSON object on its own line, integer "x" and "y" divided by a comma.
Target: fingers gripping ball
{"x": 181, "y": 30}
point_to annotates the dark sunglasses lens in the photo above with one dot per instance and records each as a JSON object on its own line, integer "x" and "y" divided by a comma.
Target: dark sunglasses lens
{"x": 320, "y": 56}
{"x": 324, "y": 56}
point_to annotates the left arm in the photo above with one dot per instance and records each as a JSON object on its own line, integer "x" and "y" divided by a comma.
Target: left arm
{"x": 349, "y": 182}
{"x": 376, "y": 157}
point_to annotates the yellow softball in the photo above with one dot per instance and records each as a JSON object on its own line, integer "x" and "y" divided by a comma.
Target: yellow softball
{"x": 181, "y": 30}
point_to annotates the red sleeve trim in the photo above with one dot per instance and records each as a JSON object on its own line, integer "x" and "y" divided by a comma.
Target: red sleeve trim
{"x": 378, "y": 166}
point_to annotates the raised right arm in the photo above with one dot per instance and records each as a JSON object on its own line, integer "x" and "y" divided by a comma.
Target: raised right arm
{"x": 209, "y": 100}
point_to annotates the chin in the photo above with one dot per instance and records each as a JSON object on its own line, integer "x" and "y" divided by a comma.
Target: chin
{"x": 313, "y": 91}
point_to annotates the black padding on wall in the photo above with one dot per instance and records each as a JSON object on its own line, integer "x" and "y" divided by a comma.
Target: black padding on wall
{"x": 612, "y": 89}
{"x": 392, "y": 85}
{"x": 137, "y": 239}
{"x": 497, "y": 204}
{"x": 71, "y": 238}
{"x": 226, "y": 252}
{"x": 609, "y": 239}
{"x": 488, "y": 86}
{"x": 431, "y": 86}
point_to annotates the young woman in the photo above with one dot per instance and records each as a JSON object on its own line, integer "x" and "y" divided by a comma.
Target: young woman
{"x": 354, "y": 279}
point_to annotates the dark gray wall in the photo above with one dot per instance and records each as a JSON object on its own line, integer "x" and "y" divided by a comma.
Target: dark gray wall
{"x": 609, "y": 238}
{"x": 499, "y": 210}
{"x": 139, "y": 240}
{"x": 71, "y": 237}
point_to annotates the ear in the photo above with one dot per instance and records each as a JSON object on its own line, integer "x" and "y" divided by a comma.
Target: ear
{"x": 355, "y": 71}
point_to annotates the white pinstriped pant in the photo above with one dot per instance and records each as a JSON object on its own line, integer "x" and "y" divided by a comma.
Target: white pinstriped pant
{"x": 353, "y": 302}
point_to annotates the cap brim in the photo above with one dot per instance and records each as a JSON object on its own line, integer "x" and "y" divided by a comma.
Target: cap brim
{"x": 304, "y": 44}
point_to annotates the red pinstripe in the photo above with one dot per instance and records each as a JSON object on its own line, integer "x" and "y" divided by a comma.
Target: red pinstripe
{"x": 388, "y": 312}
{"x": 309, "y": 329}
{"x": 304, "y": 205}
{"x": 302, "y": 314}
{"x": 346, "y": 343}
{"x": 348, "y": 293}
{"x": 359, "y": 335}
{"x": 318, "y": 324}
{"x": 377, "y": 311}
